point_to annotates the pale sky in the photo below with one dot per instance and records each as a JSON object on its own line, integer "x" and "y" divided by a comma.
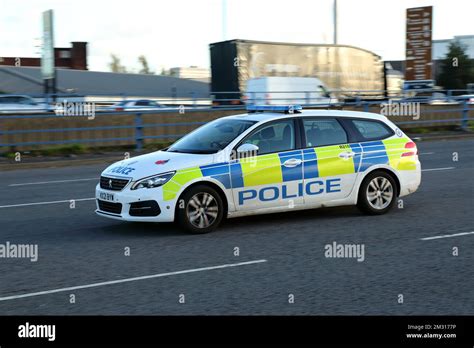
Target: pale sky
{"x": 174, "y": 33}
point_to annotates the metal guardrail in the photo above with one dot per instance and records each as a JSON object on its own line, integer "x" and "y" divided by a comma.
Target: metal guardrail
{"x": 138, "y": 138}
{"x": 238, "y": 98}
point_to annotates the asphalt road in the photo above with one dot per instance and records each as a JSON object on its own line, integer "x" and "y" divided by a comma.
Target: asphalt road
{"x": 76, "y": 248}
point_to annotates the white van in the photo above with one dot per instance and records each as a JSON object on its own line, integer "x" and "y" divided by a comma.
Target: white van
{"x": 287, "y": 91}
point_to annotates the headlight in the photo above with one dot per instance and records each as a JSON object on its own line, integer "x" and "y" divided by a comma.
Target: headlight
{"x": 153, "y": 181}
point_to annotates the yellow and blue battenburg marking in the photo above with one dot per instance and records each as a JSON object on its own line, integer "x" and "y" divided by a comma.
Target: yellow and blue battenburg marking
{"x": 310, "y": 164}
{"x": 315, "y": 163}
{"x": 219, "y": 171}
{"x": 291, "y": 173}
{"x": 374, "y": 153}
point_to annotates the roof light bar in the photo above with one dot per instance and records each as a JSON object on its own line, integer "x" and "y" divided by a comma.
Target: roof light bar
{"x": 288, "y": 109}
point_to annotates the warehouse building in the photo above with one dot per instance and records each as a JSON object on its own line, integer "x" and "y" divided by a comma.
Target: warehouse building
{"x": 28, "y": 80}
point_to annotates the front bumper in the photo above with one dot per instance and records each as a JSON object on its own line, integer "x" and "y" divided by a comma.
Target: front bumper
{"x": 136, "y": 205}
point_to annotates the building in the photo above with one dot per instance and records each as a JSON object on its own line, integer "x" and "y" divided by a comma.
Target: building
{"x": 28, "y": 80}
{"x": 192, "y": 72}
{"x": 74, "y": 57}
{"x": 440, "y": 47}
{"x": 439, "y": 50}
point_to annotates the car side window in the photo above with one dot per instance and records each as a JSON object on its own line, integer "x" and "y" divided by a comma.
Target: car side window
{"x": 323, "y": 132}
{"x": 276, "y": 137}
{"x": 372, "y": 130}
{"x": 142, "y": 103}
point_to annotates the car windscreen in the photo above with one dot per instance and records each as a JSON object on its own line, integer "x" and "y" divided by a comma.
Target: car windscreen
{"x": 211, "y": 137}
{"x": 15, "y": 100}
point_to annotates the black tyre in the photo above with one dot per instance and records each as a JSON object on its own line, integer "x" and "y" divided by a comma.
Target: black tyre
{"x": 200, "y": 209}
{"x": 377, "y": 193}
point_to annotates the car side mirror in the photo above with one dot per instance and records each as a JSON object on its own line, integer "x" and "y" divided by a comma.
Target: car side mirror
{"x": 247, "y": 150}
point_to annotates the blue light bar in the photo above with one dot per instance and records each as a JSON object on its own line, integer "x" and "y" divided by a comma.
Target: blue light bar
{"x": 277, "y": 108}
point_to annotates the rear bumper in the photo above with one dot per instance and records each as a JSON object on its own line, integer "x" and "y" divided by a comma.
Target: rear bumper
{"x": 410, "y": 180}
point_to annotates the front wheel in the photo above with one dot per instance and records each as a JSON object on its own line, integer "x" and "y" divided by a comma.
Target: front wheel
{"x": 200, "y": 210}
{"x": 377, "y": 193}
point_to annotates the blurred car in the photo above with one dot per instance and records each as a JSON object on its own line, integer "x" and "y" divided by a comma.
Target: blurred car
{"x": 430, "y": 98}
{"x": 132, "y": 105}
{"x": 21, "y": 103}
{"x": 468, "y": 97}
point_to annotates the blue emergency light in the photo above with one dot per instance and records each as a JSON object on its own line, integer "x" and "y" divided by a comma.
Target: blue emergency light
{"x": 287, "y": 109}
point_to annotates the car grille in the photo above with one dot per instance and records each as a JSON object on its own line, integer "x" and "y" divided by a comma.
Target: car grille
{"x": 109, "y": 207}
{"x": 112, "y": 183}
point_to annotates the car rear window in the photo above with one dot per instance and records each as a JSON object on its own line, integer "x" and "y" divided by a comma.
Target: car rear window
{"x": 372, "y": 130}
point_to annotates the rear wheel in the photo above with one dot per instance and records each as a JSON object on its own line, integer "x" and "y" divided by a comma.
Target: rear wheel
{"x": 377, "y": 193}
{"x": 200, "y": 209}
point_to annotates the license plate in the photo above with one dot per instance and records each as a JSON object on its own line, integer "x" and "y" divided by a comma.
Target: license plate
{"x": 105, "y": 196}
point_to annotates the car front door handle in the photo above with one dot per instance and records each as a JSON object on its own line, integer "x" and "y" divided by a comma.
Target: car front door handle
{"x": 292, "y": 162}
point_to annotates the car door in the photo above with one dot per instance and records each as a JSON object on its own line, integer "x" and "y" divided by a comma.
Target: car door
{"x": 331, "y": 163}
{"x": 273, "y": 177}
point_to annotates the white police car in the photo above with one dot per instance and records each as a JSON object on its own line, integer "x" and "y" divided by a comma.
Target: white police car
{"x": 272, "y": 159}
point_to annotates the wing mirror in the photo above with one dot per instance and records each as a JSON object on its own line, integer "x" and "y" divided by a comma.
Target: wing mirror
{"x": 247, "y": 150}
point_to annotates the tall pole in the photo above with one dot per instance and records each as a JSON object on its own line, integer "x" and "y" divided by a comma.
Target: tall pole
{"x": 336, "y": 65}
{"x": 224, "y": 20}
{"x": 335, "y": 22}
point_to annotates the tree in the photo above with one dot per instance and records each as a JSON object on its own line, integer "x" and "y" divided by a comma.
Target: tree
{"x": 115, "y": 66}
{"x": 145, "y": 68}
{"x": 457, "y": 70}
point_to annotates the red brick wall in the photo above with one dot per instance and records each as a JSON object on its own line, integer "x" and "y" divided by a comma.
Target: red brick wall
{"x": 77, "y": 60}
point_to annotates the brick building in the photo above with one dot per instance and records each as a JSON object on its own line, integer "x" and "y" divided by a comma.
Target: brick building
{"x": 74, "y": 57}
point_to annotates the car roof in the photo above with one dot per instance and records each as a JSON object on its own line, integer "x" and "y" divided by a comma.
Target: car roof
{"x": 267, "y": 116}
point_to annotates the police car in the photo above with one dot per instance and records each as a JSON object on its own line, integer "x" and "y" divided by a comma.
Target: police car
{"x": 271, "y": 159}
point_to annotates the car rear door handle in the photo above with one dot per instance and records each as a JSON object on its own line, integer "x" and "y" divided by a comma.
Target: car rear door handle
{"x": 346, "y": 155}
{"x": 292, "y": 162}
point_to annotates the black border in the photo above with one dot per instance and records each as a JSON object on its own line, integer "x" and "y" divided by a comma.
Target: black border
{"x": 135, "y": 330}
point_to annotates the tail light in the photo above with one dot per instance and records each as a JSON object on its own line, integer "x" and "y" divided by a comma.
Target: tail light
{"x": 410, "y": 146}
{"x": 119, "y": 109}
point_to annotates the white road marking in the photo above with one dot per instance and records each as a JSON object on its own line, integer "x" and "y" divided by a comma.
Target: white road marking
{"x": 126, "y": 280}
{"x": 447, "y": 236}
{"x": 51, "y": 202}
{"x": 52, "y": 182}
{"x": 427, "y": 153}
{"x": 435, "y": 169}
